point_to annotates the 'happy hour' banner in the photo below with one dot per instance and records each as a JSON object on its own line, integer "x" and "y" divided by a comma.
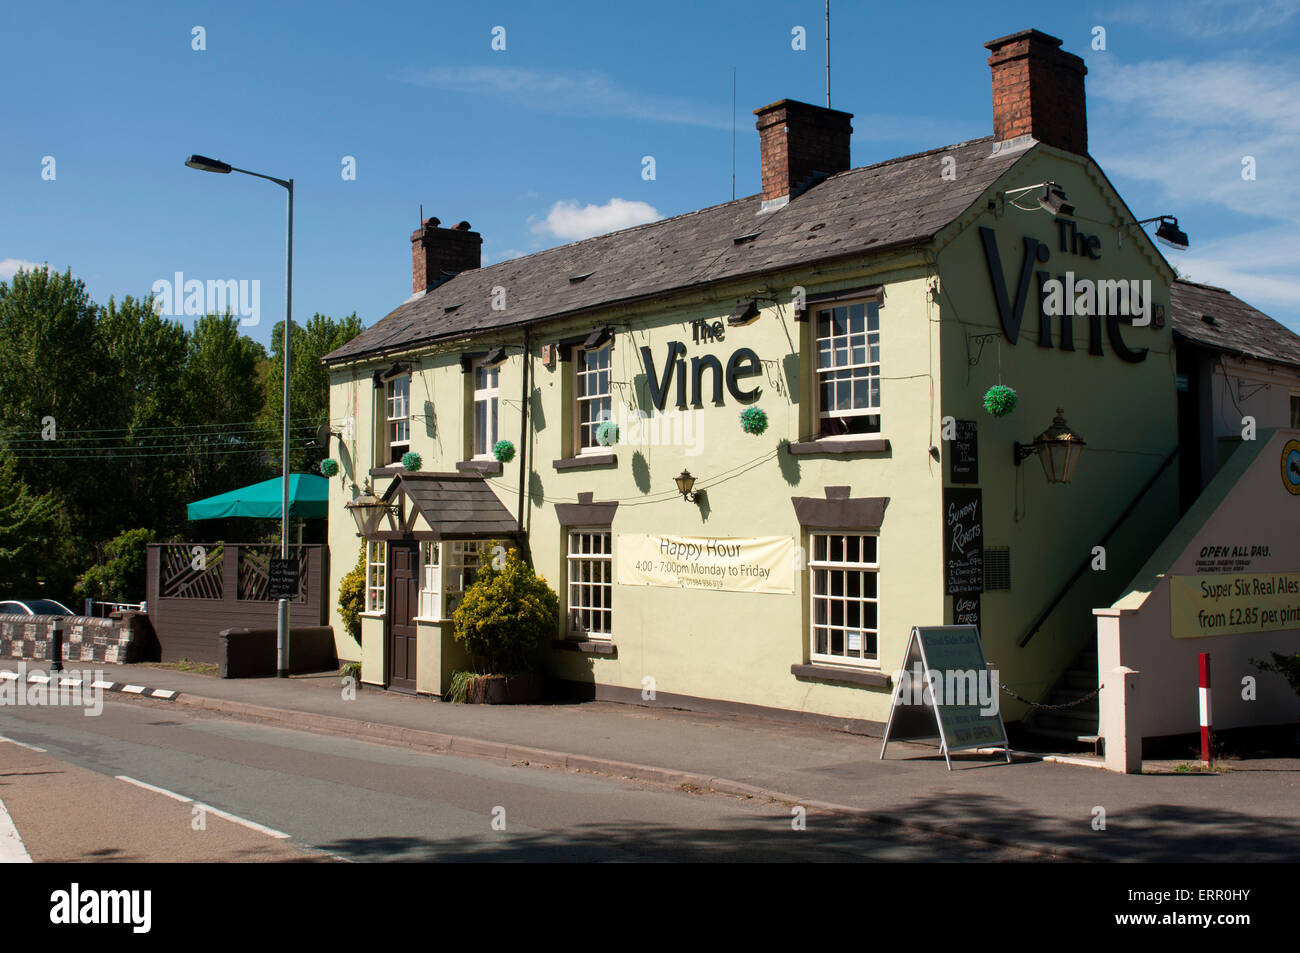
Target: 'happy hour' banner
{"x": 730, "y": 563}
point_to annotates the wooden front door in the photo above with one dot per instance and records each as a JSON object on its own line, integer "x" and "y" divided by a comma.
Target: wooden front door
{"x": 403, "y": 601}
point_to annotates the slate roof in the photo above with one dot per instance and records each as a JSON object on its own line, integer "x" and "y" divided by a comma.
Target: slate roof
{"x": 859, "y": 211}
{"x": 1237, "y": 328}
{"x": 454, "y": 505}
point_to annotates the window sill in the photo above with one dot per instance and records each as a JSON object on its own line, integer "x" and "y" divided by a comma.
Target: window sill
{"x": 585, "y": 461}
{"x": 586, "y": 646}
{"x": 486, "y": 467}
{"x": 817, "y": 672}
{"x": 381, "y": 614}
{"x": 426, "y": 620}
{"x": 840, "y": 445}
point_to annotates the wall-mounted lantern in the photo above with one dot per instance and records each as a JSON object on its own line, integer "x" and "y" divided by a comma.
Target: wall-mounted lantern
{"x": 1058, "y": 448}
{"x": 368, "y": 510}
{"x": 685, "y": 484}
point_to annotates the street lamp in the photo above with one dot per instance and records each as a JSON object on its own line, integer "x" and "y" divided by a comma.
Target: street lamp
{"x": 368, "y": 510}
{"x": 685, "y": 484}
{"x": 204, "y": 164}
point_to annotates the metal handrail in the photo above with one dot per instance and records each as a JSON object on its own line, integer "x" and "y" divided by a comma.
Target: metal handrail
{"x": 1083, "y": 567}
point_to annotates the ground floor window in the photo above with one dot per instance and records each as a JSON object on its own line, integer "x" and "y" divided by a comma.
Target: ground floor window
{"x": 460, "y": 569}
{"x": 842, "y": 586}
{"x": 376, "y": 574}
{"x": 430, "y": 581}
{"x": 591, "y": 583}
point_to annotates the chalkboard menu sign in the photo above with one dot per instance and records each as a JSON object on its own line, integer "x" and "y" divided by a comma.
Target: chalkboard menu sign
{"x": 966, "y": 609}
{"x": 284, "y": 578}
{"x": 963, "y": 453}
{"x": 963, "y": 540}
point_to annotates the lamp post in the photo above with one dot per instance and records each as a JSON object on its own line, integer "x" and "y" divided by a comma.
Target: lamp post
{"x": 204, "y": 164}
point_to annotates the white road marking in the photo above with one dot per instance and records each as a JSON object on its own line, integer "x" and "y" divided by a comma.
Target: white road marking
{"x": 21, "y": 745}
{"x": 38, "y": 677}
{"x": 163, "y": 693}
{"x": 157, "y": 790}
{"x": 251, "y": 825}
{"x": 12, "y": 676}
{"x": 101, "y": 684}
{"x": 233, "y": 818}
{"x": 12, "y": 850}
{"x": 71, "y": 682}
{"x": 133, "y": 689}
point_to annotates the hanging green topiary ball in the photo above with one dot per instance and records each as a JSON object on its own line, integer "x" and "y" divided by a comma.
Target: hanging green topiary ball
{"x": 1000, "y": 400}
{"x": 607, "y": 434}
{"x": 753, "y": 420}
{"x": 504, "y": 451}
{"x": 411, "y": 461}
{"x": 329, "y": 467}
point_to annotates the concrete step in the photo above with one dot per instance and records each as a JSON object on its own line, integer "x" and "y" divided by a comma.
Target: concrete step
{"x": 1069, "y": 720}
{"x": 1079, "y": 679}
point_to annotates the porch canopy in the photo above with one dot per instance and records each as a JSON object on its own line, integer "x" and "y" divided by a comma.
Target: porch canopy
{"x": 308, "y": 499}
{"x": 446, "y": 506}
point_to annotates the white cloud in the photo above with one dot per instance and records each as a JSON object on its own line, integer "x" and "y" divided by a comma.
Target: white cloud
{"x": 573, "y": 221}
{"x": 1184, "y": 130}
{"x": 1208, "y": 18}
{"x": 575, "y": 92}
{"x": 9, "y": 267}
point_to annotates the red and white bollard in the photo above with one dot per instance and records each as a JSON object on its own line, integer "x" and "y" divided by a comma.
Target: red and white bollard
{"x": 1206, "y": 722}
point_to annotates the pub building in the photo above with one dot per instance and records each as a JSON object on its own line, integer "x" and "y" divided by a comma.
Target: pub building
{"x": 753, "y": 445}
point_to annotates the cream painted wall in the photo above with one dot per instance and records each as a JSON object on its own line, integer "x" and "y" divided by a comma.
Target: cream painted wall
{"x": 1246, "y": 505}
{"x": 1126, "y": 412}
{"x": 1243, "y": 388}
{"x": 721, "y": 645}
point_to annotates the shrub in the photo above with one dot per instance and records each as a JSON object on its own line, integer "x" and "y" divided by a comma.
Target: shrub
{"x": 352, "y": 596}
{"x": 506, "y": 614}
{"x": 120, "y": 575}
{"x": 1288, "y": 666}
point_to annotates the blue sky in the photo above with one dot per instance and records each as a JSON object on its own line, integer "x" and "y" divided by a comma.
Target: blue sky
{"x": 542, "y": 143}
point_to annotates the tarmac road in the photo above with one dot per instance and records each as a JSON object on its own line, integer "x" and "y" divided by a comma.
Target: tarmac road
{"x": 315, "y": 797}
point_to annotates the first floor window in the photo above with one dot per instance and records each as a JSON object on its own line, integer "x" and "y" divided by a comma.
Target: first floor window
{"x": 591, "y": 583}
{"x": 847, "y": 362}
{"x": 376, "y": 574}
{"x": 397, "y": 416}
{"x": 592, "y": 392}
{"x": 844, "y": 614}
{"x": 486, "y": 387}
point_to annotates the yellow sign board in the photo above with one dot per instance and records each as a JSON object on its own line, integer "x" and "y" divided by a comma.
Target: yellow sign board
{"x": 728, "y": 563}
{"x": 1233, "y": 604}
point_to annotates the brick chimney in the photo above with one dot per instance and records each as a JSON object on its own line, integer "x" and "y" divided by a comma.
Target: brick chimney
{"x": 439, "y": 253}
{"x": 801, "y": 144}
{"x": 1038, "y": 91}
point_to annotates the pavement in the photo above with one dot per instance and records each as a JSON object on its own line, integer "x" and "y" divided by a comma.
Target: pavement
{"x": 1068, "y": 811}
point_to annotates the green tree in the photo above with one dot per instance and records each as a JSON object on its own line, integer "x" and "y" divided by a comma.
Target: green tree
{"x": 222, "y": 394}
{"x": 27, "y": 521}
{"x": 308, "y": 384}
{"x": 141, "y": 386}
{"x": 119, "y": 575}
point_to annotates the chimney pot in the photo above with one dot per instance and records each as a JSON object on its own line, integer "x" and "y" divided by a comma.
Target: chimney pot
{"x": 1038, "y": 91}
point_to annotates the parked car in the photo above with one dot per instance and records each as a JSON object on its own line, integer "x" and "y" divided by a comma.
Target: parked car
{"x": 33, "y": 607}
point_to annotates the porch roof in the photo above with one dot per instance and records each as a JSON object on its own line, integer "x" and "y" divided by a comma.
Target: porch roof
{"x": 454, "y": 505}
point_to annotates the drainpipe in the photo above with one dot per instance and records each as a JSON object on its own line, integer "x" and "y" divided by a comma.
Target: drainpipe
{"x": 523, "y": 438}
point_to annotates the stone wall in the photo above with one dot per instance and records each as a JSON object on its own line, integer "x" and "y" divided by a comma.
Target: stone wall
{"x": 85, "y": 638}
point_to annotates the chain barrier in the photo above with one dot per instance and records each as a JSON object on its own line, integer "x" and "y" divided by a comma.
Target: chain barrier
{"x": 1079, "y": 701}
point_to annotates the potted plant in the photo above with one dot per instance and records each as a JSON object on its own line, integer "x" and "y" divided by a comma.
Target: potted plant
{"x": 502, "y": 620}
